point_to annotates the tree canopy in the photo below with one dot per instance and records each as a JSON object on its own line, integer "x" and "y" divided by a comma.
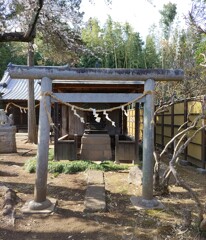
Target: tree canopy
{"x": 62, "y": 38}
{"x": 115, "y": 45}
{"x": 19, "y": 20}
{"x": 168, "y": 14}
{"x": 56, "y": 23}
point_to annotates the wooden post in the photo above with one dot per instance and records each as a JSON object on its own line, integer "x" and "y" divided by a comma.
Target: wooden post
{"x": 203, "y": 141}
{"x": 162, "y": 130}
{"x": 76, "y": 144}
{"x": 148, "y": 142}
{"x": 43, "y": 146}
{"x": 137, "y": 116}
{"x": 203, "y": 147}
{"x": 172, "y": 125}
{"x": 185, "y": 120}
{"x": 120, "y": 122}
{"x": 155, "y": 128}
{"x": 117, "y": 149}
{"x": 64, "y": 130}
{"x": 32, "y": 128}
{"x": 56, "y": 130}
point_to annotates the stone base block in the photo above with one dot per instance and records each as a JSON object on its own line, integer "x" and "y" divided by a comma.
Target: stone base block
{"x": 184, "y": 163}
{"x": 31, "y": 207}
{"x": 140, "y": 203}
{"x": 201, "y": 170}
{"x": 96, "y": 147}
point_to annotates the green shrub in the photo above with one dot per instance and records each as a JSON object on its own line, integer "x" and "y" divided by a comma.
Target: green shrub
{"x": 30, "y": 165}
{"x": 75, "y": 167}
{"x": 70, "y": 167}
{"x": 55, "y": 167}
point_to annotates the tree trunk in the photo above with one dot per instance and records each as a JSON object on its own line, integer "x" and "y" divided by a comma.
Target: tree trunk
{"x": 32, "y": 128}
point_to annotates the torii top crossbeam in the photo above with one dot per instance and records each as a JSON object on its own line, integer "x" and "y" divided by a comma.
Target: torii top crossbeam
{"x": 66, "y": 73}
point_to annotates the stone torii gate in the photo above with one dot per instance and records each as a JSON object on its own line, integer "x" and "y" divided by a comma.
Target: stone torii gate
{"x": 47, "y": 74}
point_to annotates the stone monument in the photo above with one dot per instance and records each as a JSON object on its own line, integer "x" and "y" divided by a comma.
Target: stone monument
{"x": 96, "y": 143}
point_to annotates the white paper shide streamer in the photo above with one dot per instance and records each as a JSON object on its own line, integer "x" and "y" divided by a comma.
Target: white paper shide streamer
{"x": 76, "y": 114}
{"x": 109, "y": 119}
{"x": 125, "y": 112}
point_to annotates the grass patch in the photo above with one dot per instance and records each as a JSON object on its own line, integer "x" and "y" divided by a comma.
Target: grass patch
{"x": 51, "y": 154}
{"x": 30, "y": 165}
{"x": 69, "y": 167}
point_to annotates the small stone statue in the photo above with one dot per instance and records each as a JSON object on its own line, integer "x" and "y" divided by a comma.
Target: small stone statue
{"x": 3, "y": 117}
{"x": 6, "y": 120}
{"x": 11, "y": 119}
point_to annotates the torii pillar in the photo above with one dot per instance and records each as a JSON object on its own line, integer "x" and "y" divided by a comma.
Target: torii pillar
{"x": 148, "y": 142}
{"x": 147, "y": 200}
{"x": 41, "y": 203}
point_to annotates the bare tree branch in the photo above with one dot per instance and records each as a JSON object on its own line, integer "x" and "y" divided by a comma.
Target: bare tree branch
{"x": 180, "y": 146}
{"x": 203, "y": 63}
{"x": 15, "y": 37}
{"x": 196, "y": 17}
{"x": 32, "y": 25}
{"x": 179, "y": 181}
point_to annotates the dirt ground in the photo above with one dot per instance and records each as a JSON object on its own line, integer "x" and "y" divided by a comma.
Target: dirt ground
{"x": 121, "y": 221}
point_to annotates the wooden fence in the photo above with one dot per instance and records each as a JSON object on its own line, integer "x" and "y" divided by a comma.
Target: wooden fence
{"x": 131, "y": 123}
{"x": 167, "y": 124}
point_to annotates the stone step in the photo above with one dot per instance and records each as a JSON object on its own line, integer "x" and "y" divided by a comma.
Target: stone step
{"x": 95, "y": 139}
{"x": 95, "y": 194}
{"x": 96, "y": 155}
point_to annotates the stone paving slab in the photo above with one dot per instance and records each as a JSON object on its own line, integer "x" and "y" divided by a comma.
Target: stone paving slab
{"x": 95, "y": 194}
{"x": 95, "y": 177}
